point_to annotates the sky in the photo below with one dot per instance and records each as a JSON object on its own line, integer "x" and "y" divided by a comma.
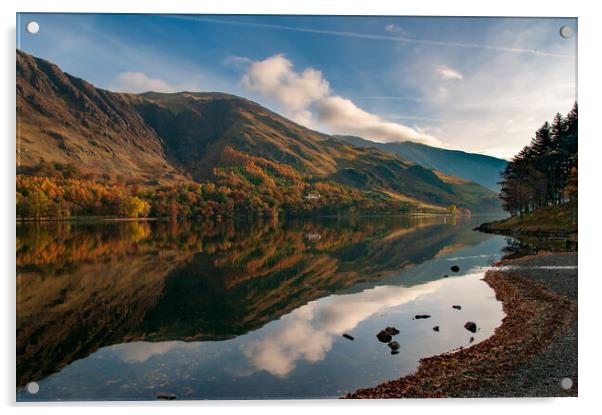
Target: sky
{"x": 481, "y": 85}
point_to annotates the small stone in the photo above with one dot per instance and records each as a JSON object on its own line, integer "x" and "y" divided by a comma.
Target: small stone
{"x": 392, "y": 331}
{"x": 384, "y": 337}
{"x": 471, "y": 326}
{"x": 166, "y": 396}
{"x": 436, "y": 328}
{"x": 394, "y": 345}
{"x": 471, "y": 339}
{"x": 455, "y": 268}
{"x": 457, "y": 307}
{"x": 421, "y": 316}
{"x": 347, "y": 336}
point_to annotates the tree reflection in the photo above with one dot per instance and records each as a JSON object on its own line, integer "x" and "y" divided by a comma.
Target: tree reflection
{"x": 84, "y": 286}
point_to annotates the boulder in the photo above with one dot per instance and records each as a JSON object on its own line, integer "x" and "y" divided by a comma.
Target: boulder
{"x": 394, "y": 345}
{"x": 392, "y": 331}
{"x": 347, "y": 336}
{"x": 384, "y": 337}
{"x": 471, "y": 326}
{"x": 436, "y": 328}
{"x": 455, "y": 268}
{"x": 457, "y": 307}
{"x": 421, "y": 316}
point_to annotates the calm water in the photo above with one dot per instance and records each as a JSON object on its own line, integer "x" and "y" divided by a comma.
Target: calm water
{"x": 225, "y": 310}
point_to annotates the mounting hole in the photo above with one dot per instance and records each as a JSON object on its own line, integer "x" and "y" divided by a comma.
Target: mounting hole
{"x": 566, "y": 383}
{"x": 32, "y": 27}
{"x": 566, "y": 32}
{"x": 33, "y": 387}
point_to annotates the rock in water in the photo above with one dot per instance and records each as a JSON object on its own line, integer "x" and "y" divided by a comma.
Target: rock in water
{"x": 166, "y": 396}
{"x": 394, "y": 351}
{"x": 347, "y": 336}
{"x": 420, "y": 316}
{"x": 471, "y": 326}
{"x": 436, "y": 328}
{"x": 384, "y": 337}
{"x": 394, "y": 345}
{"x": 392, "y": 331}
{"x": 455, "y": 268}
{"x": 445, "y": 276}
{"x": 457, "y": 307}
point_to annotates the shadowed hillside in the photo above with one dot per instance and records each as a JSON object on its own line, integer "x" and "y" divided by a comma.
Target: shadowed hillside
{"x": 481, "y": 169}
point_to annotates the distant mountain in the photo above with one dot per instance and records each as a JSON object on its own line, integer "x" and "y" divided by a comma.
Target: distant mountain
{"x": 478, "y": 168}
{"x": 166, "y": 139}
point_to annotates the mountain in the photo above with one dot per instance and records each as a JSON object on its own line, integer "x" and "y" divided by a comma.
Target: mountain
{"x": 257, "y": 159}
{"x": 478, "y": 168}
{"x": 65, "y": 119}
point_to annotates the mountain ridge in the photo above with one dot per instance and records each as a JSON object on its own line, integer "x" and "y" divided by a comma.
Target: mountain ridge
{"x": 479, "y": 168}
{"x": 161, "y": 139}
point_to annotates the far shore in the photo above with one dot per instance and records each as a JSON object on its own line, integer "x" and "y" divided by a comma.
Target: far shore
{"x": 166, "y": 218}
{"x": 556, "y": 222}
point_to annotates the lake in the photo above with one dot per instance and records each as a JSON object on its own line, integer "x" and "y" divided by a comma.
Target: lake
{"x": 243, "y": 310}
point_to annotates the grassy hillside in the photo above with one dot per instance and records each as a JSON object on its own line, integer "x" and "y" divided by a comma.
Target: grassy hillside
{"x": 195, "y": 153}
{"x": 481, "y": 169}
{"x": 556, "y": 220}
{"x": 67, "y": 120}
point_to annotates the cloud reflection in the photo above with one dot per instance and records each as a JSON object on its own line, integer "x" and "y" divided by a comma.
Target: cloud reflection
{"x": 309, "y": 332}
{"x": 139, "y": 352}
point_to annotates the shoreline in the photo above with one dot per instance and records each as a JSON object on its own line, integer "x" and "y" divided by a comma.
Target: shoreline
{"x": 553, "y": 223}
{"x": 168, "y": 218}
{"x": 529, "y": 354}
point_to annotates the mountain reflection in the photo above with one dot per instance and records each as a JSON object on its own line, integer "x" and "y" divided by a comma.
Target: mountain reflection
{"x": 84, "y": 286}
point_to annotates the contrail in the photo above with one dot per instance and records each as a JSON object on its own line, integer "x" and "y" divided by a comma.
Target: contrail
{"x": 400, "y": 39}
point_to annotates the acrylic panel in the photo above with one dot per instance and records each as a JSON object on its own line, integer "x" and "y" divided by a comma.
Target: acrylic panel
{"x": 281, "y": 206}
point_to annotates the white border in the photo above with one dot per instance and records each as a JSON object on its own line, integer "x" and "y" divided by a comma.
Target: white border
{"x": 590, "y": 200}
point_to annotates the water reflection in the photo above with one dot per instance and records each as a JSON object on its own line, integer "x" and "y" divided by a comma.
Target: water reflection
{"x": 148, "y": 288}
{"x": 309, "y": 331}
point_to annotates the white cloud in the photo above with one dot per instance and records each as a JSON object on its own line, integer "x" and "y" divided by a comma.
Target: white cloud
{"x": 449, "y": 73}
{"x": 392, "y": 28}
{"x": 138, "y": 352}
{"x": 140, "y": 82}
{"x": 237, "y": 61}
{"x": 527, "y": 89}
{"x": 275, "y": 78}
{"x": 306, "y": 97}
{"x": 344, "y": 117}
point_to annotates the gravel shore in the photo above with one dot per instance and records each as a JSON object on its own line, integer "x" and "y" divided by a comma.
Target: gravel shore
{"x": 529, "y": 355}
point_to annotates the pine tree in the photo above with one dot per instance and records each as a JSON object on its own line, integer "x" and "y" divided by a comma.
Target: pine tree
{"x": 544, "y": 172}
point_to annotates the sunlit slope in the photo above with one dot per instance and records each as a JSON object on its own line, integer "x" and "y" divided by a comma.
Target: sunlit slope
{"x": 156, "y": 138}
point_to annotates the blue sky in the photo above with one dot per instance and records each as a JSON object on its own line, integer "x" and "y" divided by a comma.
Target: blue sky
{"x": 476, "y": 84}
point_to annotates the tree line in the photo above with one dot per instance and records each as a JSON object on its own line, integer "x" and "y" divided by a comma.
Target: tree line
{"x": 243, "y": 186}
{"x": 543, "y": 173}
